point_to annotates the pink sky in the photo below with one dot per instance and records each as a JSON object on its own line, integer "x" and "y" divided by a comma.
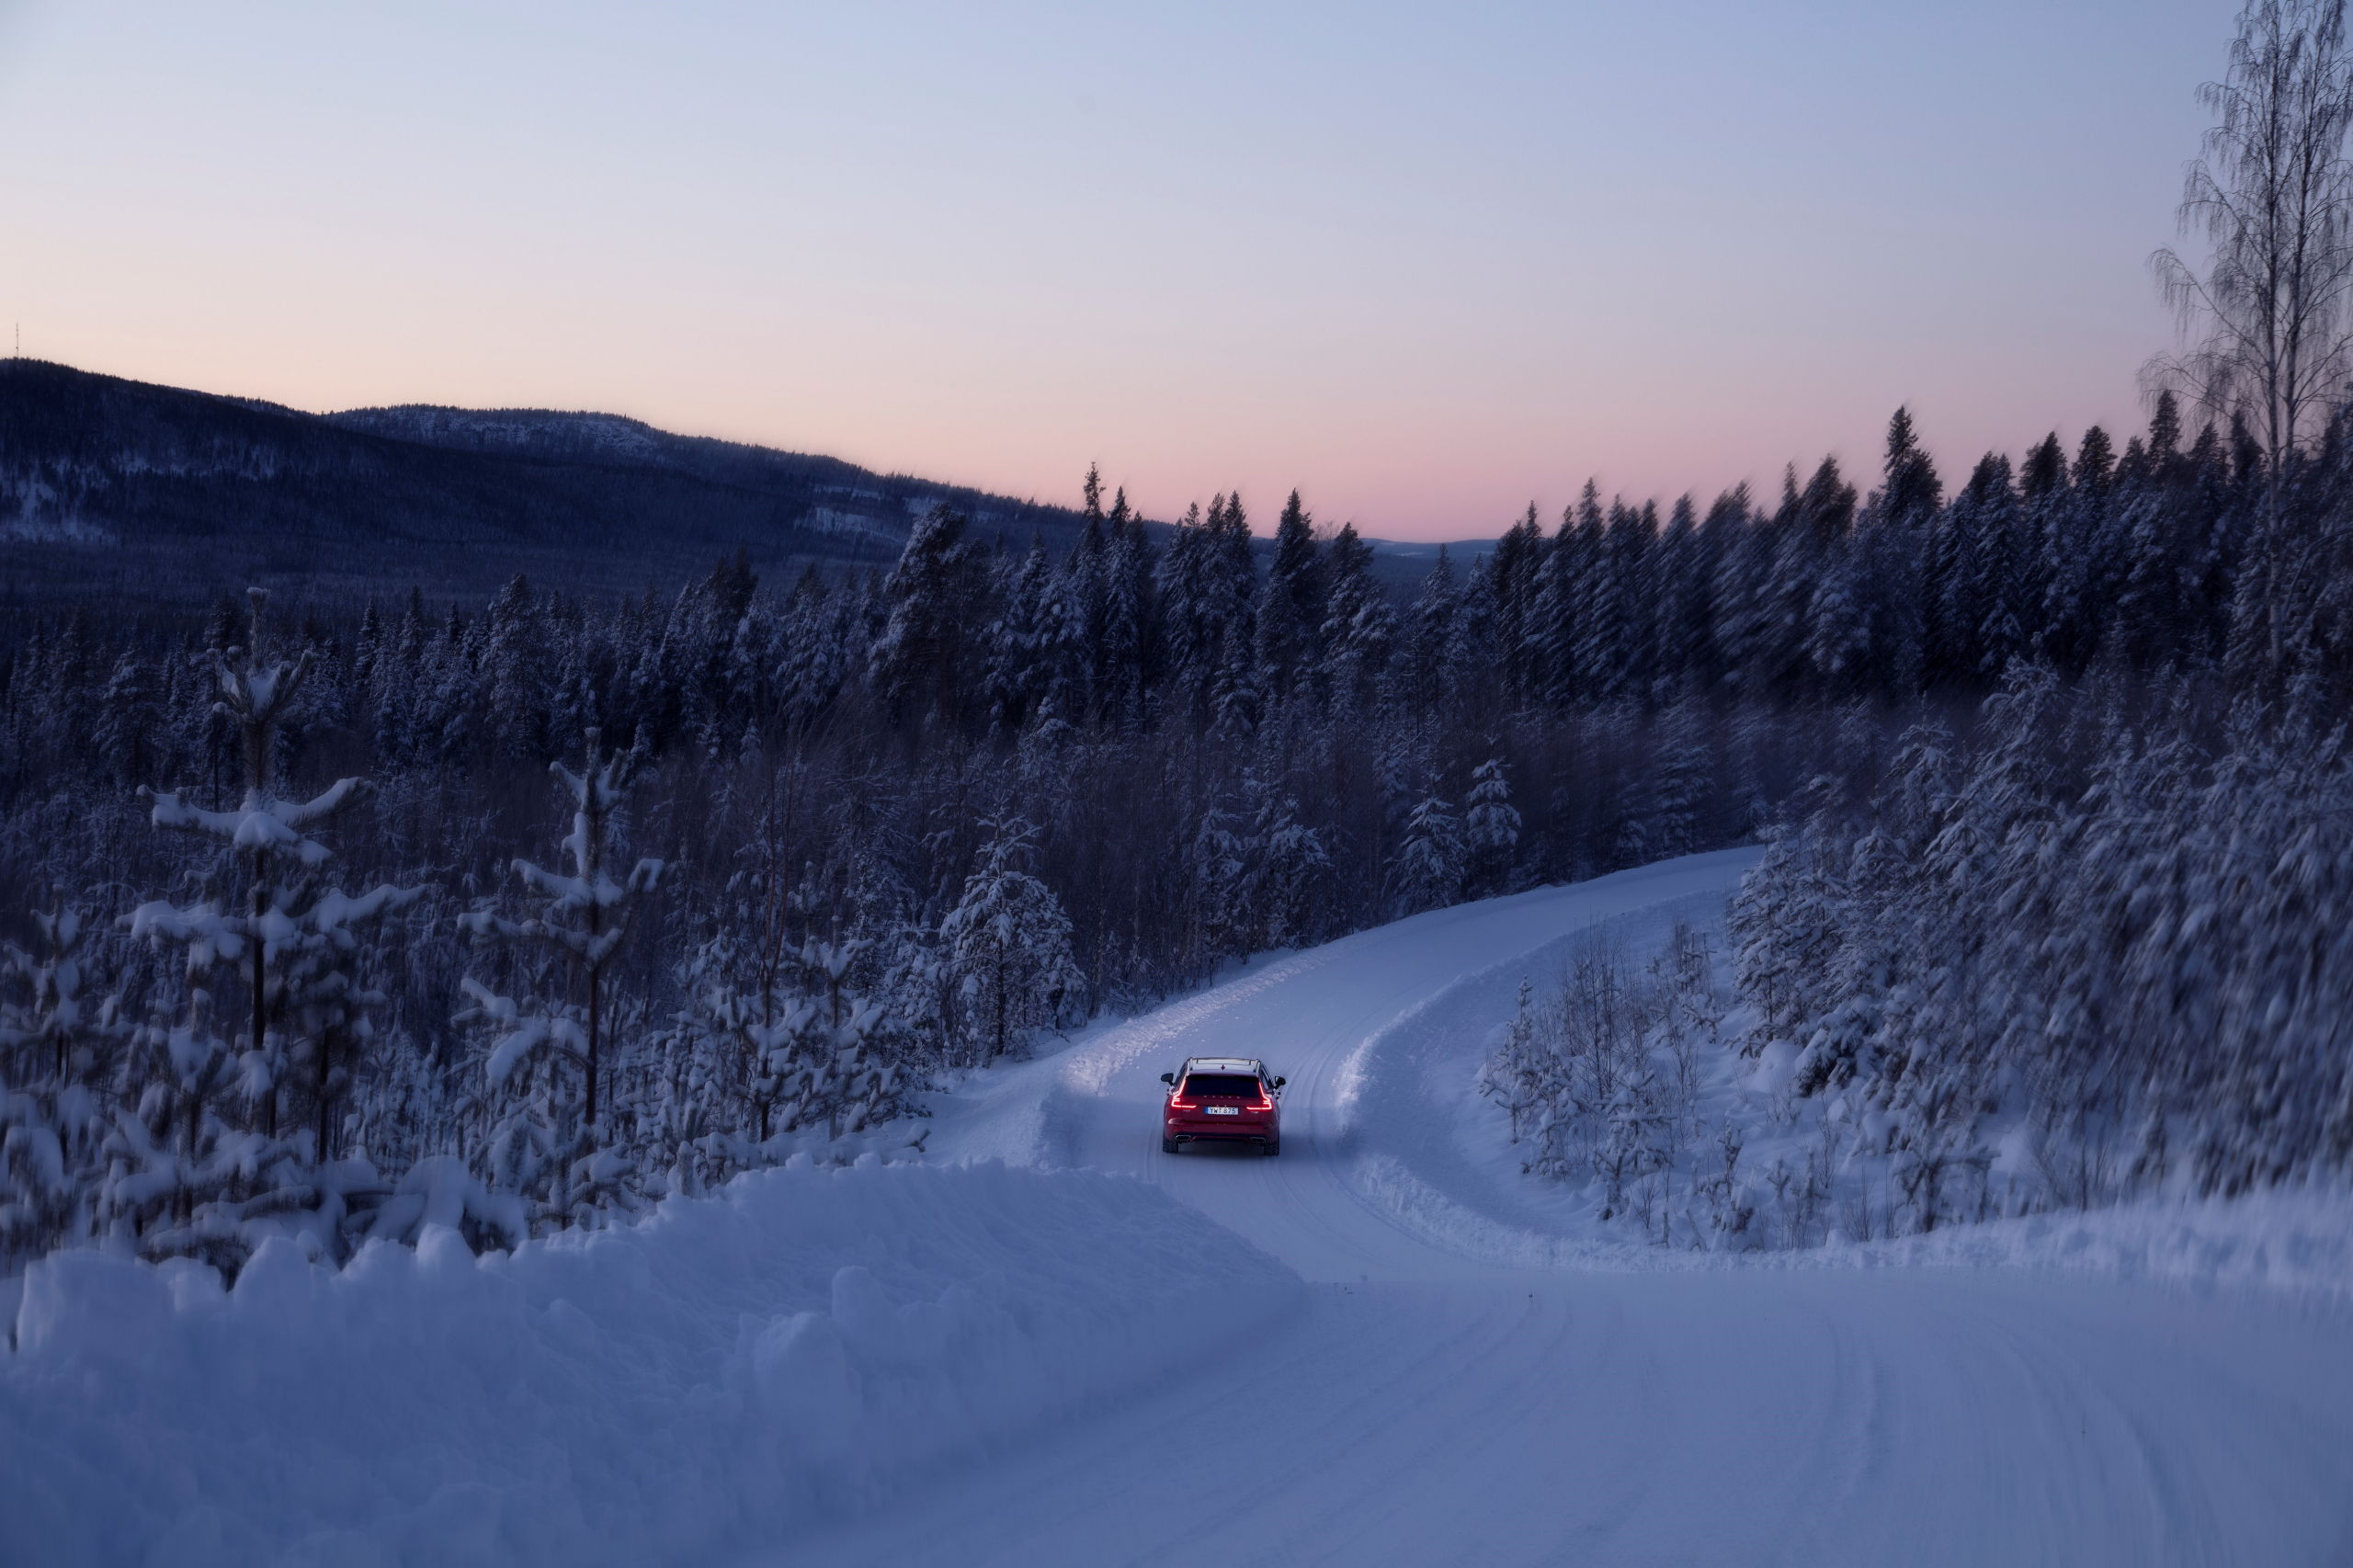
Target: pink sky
{"x": 1424, "y": 264}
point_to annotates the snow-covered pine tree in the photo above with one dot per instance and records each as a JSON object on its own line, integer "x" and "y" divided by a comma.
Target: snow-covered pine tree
{"x": 934, "y": 594}
{"x": 60, "y": 1056}
{"x": 1233, "y": 693}
{"x": 547, "y": 1136}
{"x": 1291, "y": 611}
{"x": 1491, "y": 830}
{"x": 125, "y": 733}
{"x": 1009, "y": 946}
{"x": 1603, "y": 642}
{"x": 1430, "y": 861}
{"x": 1290, "y": 868}
{"x": 1683, "y": 781}
{"x": 1421, "y": 668}
{"x": 1513, "y": 1074}
{"x": 296, "y": 943}
{"x": 1553, "y": 604}
{"x": 1190, "y": 639}
{"x": 1126, "y": 656}
{"x": 799, "y": 1044}
{"x": 1511, "y": 573}
{"x": 1744, "y": 629}
{"x": 1017, "y": 666}
{"x": 1230, "y": 581}
{"x": 1683, "y": 636}
{"x": 1359, "y": 628}
{"x": 1217, "y": 891}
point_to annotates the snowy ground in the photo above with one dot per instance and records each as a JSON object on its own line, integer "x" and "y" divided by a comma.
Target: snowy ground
{"x": 1383, "y": 1347}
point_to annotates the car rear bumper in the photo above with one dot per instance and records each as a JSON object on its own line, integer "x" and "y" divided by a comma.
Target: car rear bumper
{"x": 1246, "y": 1132}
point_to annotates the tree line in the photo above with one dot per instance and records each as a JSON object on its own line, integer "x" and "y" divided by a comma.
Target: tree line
{"x": 903, "y": 820}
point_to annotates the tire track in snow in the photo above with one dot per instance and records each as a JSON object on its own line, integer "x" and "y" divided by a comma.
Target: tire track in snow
{"x": 1458, "y": 1409}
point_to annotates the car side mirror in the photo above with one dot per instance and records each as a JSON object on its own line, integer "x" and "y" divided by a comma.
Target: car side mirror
{"x": 1280, "y": 1082}
{"x": 1168, "y": 1077}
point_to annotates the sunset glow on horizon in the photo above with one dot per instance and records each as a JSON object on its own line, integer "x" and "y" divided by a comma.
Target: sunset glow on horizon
{"x": 1424, "y": 265}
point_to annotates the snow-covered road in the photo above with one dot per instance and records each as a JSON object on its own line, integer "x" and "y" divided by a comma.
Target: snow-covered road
{"x": 1384, "y": 1347}
{"x": 1462, "y": 1389}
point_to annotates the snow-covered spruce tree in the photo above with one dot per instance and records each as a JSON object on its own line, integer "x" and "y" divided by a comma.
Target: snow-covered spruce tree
{"x": 1432, "y": 859}
{"x": 787, "y": 1030}
{"x": 1682, "y": 782}
{"x": 1009, "y": 946}
{"x": 1784, "y": 926}
{"x": 919, "y": 661}
{"x": 297, "y": 945}
{"x": 172, "y": 1161}
{"x": 59, "y": 1055}
{"x": 548, "y": 1143}
{"x": 1491, "y": 830}
{"x": 1514, "y": 1074}
{"x": 1359, "y": 630}
{"x": 1217, "y": 891}
{"x": 804, "y": 1048}
{"x": 1289, "y": 869}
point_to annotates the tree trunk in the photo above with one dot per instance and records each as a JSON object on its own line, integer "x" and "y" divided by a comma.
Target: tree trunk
{"x": 261, "y": 1009}
{"x": 998, "y": 1049}
{"x": 320, "y": 1153}
{"x": 593, "y": 989}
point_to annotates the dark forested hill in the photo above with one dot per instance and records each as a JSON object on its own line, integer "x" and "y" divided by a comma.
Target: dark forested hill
{"x": 161, "y": 497}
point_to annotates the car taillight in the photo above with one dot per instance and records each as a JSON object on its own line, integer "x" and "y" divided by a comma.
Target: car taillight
{"x": 1176, "y": 1104}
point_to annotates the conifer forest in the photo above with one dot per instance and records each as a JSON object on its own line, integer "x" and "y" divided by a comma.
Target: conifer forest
{"x": 532, "y": 911}
{"x": 1163, "y": 886}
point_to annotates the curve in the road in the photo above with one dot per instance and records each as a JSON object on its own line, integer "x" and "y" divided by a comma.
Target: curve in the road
{"x": 1437, "y": 1405}
{"x": 1322, "y": 1018}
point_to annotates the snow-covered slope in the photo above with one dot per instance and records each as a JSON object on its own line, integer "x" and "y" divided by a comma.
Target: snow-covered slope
{"x": 981, "y": 1363}
{"x": 723, "y": 1374}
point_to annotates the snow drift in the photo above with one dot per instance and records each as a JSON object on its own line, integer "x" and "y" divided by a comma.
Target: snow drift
{"x": 719, "y": 1376}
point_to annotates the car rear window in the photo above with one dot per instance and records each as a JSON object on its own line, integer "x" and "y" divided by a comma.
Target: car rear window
{"x": 1241, "y": 1085}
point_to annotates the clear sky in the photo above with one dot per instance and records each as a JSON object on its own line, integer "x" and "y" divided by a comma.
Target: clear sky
{"x": 1424, "y": 262}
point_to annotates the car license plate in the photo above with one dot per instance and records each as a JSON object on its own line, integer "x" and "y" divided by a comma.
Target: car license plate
{"x": 1222, "y": 1110}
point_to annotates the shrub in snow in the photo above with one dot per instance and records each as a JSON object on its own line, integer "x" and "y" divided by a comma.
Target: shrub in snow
{"x": 1597, "y": 1078}
{"x": 1601, "y": 1080}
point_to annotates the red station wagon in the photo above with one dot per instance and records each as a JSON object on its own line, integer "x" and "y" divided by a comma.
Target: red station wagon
{"x": 1222, "y": 1099}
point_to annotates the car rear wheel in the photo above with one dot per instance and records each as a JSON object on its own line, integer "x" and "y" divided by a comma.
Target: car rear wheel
{"x": 1169, "y": 1145}
{"x": 1274, "y": 1147}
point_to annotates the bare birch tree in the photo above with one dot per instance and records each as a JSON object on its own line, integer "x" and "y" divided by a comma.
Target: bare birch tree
{"x": 2272, "y": 192}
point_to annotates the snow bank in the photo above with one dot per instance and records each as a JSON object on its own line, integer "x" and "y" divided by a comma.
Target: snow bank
{"x": 719, "y": 1376}
{"x": 2298, "y": 1240}
{"x": 1431, "y": 1156}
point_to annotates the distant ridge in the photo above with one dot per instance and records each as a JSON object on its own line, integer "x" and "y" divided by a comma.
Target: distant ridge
{"x": 163, "y": 497}
{"x": 166, "y": 496}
